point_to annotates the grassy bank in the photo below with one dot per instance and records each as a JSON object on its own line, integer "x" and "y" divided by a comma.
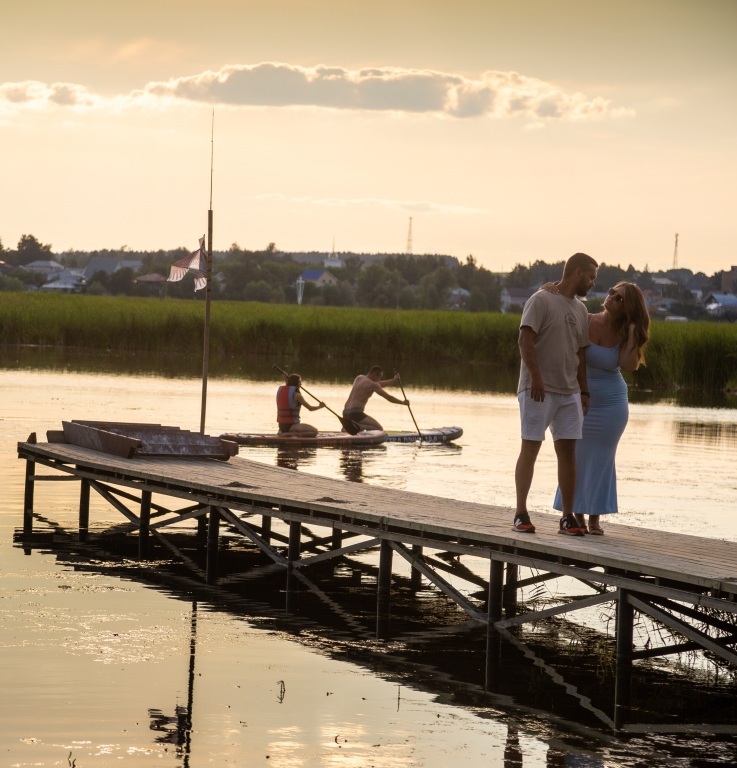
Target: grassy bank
{"x": 680, "y": 355}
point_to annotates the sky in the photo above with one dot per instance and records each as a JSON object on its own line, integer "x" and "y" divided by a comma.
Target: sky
{"x": 508, "y": 130}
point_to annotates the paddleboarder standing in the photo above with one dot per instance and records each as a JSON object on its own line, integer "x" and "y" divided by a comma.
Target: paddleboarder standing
{"x": 363, "y": 387}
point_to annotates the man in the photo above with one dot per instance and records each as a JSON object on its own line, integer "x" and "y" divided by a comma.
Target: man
{"x": 363, "y": 388}
{"x": 552, "y": 389}
{"x": 289, "y": 402}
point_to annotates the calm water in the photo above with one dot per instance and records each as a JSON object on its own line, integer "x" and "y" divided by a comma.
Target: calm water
{"x": 96, "y": 665}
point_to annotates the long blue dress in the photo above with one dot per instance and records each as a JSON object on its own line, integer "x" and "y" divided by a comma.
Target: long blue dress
{"x": 596, "y": 477}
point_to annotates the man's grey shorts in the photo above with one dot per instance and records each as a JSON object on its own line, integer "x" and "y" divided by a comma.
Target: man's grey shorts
{"x": 562, "y": 413}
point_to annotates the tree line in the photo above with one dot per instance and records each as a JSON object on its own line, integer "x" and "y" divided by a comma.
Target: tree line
{"x": 393, "y": 281}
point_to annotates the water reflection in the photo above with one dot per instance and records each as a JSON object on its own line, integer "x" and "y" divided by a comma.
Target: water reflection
{"x": 712, "y": 433}
{"x": 350, "y": 461}
{"x": 291, "y": 458}
{"x": 351, "y": 465}
{"x": 476, "y": 377}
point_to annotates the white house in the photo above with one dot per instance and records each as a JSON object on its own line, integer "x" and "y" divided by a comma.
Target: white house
{"x": 515, "y": 297}
{"x": 721, "y": 304}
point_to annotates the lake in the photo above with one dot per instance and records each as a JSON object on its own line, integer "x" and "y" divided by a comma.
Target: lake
{"x": 99, "y": 668}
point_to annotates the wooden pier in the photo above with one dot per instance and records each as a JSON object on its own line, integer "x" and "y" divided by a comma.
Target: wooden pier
{"x": 686, "y": 584}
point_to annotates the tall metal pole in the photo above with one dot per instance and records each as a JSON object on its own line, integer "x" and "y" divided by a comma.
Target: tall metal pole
{"x": 675, "y": 253}
{"x": 208, "y": 290}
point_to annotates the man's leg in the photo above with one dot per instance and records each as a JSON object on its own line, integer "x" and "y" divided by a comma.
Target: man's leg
{"x": 369, "y": 423}
{"x": 523, "y": 474}
{"x": 565, "y": 450}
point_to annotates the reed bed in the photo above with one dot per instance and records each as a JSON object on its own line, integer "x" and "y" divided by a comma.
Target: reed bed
{"x": 684, "y": 355}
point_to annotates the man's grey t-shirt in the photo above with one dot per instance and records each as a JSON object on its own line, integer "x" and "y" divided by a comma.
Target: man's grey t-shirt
{"x": 562, "y": 328}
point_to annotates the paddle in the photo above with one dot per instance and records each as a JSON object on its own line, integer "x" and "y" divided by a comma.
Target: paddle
{"x": 349, "y": 426}
{"x": 396, "y": 373}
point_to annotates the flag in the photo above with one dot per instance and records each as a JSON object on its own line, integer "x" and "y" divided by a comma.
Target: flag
{"x": 195, "y": 261}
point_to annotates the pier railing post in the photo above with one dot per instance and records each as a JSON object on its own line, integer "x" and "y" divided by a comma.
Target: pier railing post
{"x": 383, "y": 591}
{"x": 84, "y": 509}
{"x": 143, "y": 525}
{"x": 623, "y": 673}
{"x": 493, "y": 638}
{"x": 213, "y": 536}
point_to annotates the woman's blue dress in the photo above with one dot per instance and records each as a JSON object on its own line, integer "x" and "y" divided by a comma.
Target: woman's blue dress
{"x": 596, "y": 477}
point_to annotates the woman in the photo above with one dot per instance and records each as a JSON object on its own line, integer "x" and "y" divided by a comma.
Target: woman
{"x": 289, "y": 402}
{"x": 618, "y": 334}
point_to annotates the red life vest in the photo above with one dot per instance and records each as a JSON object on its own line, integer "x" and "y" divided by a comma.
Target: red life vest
{"x": 287, "y": 410}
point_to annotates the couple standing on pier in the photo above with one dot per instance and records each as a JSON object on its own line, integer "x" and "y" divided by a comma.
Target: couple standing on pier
{"x": 570, "y": 382}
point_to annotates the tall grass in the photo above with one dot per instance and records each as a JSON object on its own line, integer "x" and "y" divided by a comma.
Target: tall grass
{"x": 684, "y": 355}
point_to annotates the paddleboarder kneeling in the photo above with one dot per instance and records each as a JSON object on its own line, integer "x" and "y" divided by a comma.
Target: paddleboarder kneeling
{"x": 289, "y": 402}
{"x": 363, "y": 388}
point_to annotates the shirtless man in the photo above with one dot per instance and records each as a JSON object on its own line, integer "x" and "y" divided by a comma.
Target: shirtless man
{"x": 363, "y": 388}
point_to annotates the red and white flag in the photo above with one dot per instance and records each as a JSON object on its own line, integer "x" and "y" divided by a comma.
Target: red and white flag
{"x": 196, "y": 261}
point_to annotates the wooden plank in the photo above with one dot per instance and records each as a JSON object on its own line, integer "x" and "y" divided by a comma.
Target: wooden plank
{"x": 99, "y": 439}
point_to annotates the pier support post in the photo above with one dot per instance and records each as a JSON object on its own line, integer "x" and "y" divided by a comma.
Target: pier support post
{"x": 510, "y": 589}
{"x": 415, "y": 579}
{"x": 213, "y": 537}
{"x": 28, "y": 498}
{"x": 337, "y": 539}
{"x": 84, "y": 509}
{"x": 201, "y": 534}
{"x": 293, "y": 554}
{"x": 266, "y": 528}
{"x": 144, "y": 525}
{"x": 493, "y": 638}
{"x": 623, "y": 673}
{"x": 383, "y": 591}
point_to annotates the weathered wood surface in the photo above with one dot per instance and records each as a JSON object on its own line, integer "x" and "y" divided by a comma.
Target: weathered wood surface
{"x": 698, "y": 561}
{"x": 133, "y": 439}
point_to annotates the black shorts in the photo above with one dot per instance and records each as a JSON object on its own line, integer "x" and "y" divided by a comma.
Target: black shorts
{"x": 354, "y": 414}
{"x": 285, "y": 428}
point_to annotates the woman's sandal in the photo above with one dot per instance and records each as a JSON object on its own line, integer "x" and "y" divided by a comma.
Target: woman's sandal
{"x": 596, "y": 531}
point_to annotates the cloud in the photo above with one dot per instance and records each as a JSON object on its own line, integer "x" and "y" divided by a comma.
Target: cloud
{"x": 35, "y": 95}
{"x": 412, "y": 206}
{"x": 495, "y": 94}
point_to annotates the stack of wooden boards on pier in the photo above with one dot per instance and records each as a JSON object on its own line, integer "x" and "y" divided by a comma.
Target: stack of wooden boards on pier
{"x": 129, "y": 440}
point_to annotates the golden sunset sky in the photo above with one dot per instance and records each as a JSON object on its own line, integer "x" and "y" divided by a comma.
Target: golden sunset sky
{"x": 513, "y": 131}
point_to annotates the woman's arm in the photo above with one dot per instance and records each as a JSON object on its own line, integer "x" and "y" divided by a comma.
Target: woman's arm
{"x": 299, "y": 399}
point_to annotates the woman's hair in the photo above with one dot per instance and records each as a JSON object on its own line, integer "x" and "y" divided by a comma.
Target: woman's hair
{"x": 294, "y": 380}
{"x": 635, "y": 311}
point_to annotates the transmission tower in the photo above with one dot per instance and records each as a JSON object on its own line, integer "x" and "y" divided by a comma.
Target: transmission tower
{"x": 675, "y": 254}
{"x": 409, "y": 238}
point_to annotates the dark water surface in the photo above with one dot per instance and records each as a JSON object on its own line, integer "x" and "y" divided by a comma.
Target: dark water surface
{"x": 107, "y": 662}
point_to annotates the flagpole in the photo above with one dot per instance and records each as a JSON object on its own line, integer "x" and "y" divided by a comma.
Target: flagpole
{"x": 208, "y": 289}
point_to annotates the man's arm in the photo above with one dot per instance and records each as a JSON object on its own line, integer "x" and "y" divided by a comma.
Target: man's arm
{"x": 582, "y": 380}
{"x": 391, "y": 398}
{"x": 528, "y": 352}
{"x": 389, "y": 382}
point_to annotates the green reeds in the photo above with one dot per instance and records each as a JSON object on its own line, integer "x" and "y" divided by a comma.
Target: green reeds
{"x": 700, "y": 356}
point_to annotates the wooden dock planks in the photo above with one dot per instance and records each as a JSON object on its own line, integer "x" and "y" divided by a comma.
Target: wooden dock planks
{"x": 698, "y": 561}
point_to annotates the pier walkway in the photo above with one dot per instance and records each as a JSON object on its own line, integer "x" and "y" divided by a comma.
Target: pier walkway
{"x": 686, "y": 584}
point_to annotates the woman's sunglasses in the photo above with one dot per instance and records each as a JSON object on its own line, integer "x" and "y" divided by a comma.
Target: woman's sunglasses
{"x": 616, "y": 296}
